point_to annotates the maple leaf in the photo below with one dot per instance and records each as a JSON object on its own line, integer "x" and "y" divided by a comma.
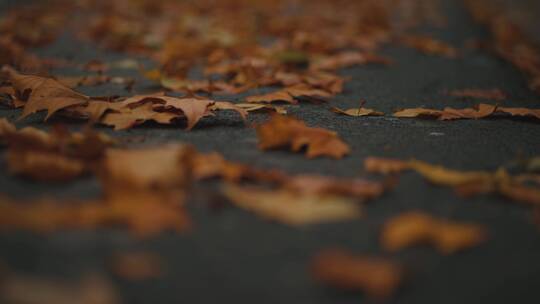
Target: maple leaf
{"x": 414, "y": 228}
{"x": 43, "y": 93}
{"x": 480, "y": 111}
{"x": 282, "y": 131}
{"x": 253, "y": 107}
{"x": 127, "y": 118}
{"x": 358, "y": 112}
{"x": 291, "y": 207}
{"x": 224, "y": 105}
{"x": 465, "y": 183}
{"x": 289, "y": 94}
{"x": 495, "y": 94}
{"x": 377, "y": 277}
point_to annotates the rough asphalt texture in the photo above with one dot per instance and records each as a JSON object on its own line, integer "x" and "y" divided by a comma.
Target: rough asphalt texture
{"x": 232, "y": 256}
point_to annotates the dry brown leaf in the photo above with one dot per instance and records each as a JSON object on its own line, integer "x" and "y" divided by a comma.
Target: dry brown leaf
{"x": 415, "y": 228}
{"x": 418, "y": 112}
{"x": 137, "y": 266}
{"x": 289, "y": 94}
{"x": 193, "y": 108}
{"x": 358, "y": 112}
{"x": 224, "y": 105}
{"x": 213, "y": 165}
{"x": 480, "y": 111}
{"x": 495, "y": 94}
{"x": 284, "y": 131}
{"x": 149, "y": 168}
{"x": 43, "y": 93}
{"x": 446, "y": 177}
{"x": 144, "y": 213}
{"x": 325, "y": 185}
{"x": 533, "y": 113}
{"x": 465, "y": 183}
{"x": 89, "y": 289}
{"x": 291, "y": 207}
{"x": 428, "y": 45}
{"x": 377, "y": 277}
{"x": 254, "y": 107}
{"x": 95, "y": 109}
{"x": 44, "y": 166}
{"x": 6, "y": 128}
{"x": 127, "y": 118}
{"x": 347, "y": 59}
{"x": 55, "y": 156}
{"x": 385, "y": 165}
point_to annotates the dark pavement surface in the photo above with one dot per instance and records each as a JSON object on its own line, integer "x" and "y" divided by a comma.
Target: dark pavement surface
{"x": 233, "y": 256}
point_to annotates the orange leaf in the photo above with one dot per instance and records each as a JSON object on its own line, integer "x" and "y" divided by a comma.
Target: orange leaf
{"x": 282, "y": 131}
{"x": 291, "y": 207}
{"x": 377, "y": 277}
{"x": 414, "y": 228}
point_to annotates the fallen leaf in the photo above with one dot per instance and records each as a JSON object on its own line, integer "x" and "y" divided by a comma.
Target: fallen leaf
{"x": 376, "y": 277}
{"x": 44, "y": 166}
{"x": 149, "y": 168}
{"x": 213, "y": 165}
{"x": 442, "y": 176}
{"x": 224, "y": 105}
{"x": 137, "y": 266}
{"x": 385, "y": 165}
{"x": 347, "y": 59}
{"x": 127, "y": 118}
{"x": 413, "y": 228}
{"x": 43, "y": 93}
{"x": 480, "y": 111}
{"x": 144, "y": 213}
{"x": 291, "y": 207}
{"x": 495, "y": 94}
{"x": 283, "y": 131}
{"x": 428, "y": 45}
{"x": 89, "y": 289}
{"x": 357, "y": 112}
{"x": 325, "y": 185}
{"x": 254, "y": 107}
{"x": 55, "y": 156}
{"x": 289, "y": 94}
